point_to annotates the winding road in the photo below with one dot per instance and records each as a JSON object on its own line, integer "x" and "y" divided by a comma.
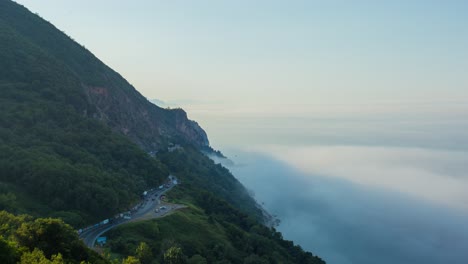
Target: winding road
{"x": 151, "y": 207}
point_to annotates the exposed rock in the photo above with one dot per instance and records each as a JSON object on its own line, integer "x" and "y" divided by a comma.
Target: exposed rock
{"x": 129, "y": 113}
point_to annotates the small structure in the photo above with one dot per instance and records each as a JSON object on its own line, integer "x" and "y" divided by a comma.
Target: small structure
{"x": 101, "y": 240}
{"x": 174, "y": 147}
{"x": 172, "y": 180}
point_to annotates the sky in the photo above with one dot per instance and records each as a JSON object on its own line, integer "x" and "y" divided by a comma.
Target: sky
{"x": 302, "y": 58}
{"x": 354, "y": 112}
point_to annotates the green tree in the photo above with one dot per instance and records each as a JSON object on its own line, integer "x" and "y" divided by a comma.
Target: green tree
{"x": 37, "y": 257}
{"x": 8, "y": 253}
{"x": 8, "y": 201}
{"x": 143, "y": 252}
{"x": 254, "y": 259}
{"x": 49, "y": 235}
{"x": 131, "y": 260}
{"x": 174, "y": 255}
{"x": 197, "y": 259}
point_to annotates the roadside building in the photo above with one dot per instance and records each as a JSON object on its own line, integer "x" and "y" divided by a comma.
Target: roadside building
{"x": 101, "y": 240}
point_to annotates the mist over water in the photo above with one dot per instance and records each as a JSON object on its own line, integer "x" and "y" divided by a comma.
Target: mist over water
{"x": 357, "y": 190}
{"x": 344, "y": 222}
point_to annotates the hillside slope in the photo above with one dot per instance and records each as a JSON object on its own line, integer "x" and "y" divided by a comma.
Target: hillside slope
{"x": 109, "y": 97}
{"x": 65, "y": 148}
{"x": 74, "y": 137}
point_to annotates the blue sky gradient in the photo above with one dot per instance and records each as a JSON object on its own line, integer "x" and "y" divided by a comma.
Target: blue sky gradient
{"x": 276, "y": 52}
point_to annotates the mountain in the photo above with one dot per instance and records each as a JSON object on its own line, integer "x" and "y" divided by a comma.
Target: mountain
{"x": 75, "y": 139}
{"x": 103, "y": 93}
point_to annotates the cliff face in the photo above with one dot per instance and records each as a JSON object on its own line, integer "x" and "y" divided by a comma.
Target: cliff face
{"x": 190, "y": 129}
{"x": 146, "y": 124}
{"x": 109, "y": 96}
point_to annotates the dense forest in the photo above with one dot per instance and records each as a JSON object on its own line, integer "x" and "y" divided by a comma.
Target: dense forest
{"x": 43, "y": 240}
{"x": 56, "y": 161}
{"x": 64, "y": 165}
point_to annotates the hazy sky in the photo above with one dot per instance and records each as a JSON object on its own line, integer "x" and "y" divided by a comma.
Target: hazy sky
{"x": 275, "y": 56}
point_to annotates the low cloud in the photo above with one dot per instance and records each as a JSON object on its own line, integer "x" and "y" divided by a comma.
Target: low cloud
{"x": 434, "y": 175}
{"x": 329, "y": 207}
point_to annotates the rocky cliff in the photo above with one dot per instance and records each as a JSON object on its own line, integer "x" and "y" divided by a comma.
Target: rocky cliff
{"x": 146, "y": 124}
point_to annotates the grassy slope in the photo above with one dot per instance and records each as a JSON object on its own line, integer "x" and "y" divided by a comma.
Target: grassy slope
{"x": 209, "y": 236}
{"x": 213, "y": 227}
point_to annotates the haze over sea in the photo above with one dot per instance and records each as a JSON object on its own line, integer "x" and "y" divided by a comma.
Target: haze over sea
{"x": 354, "y": 188}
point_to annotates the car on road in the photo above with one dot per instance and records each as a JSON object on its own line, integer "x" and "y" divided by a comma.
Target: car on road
{"x": 162, "y": 207}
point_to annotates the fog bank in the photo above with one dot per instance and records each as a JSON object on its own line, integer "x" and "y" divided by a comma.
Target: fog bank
{"x": 345, "y": 221}
{"x": 439, "y": 176}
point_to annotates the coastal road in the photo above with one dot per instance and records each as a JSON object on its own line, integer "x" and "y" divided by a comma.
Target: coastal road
{"x": 149, "y": 208}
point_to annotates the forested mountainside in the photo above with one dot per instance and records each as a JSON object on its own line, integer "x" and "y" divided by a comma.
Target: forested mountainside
{"x": 100, "y": 92}
{"x": 74, "y": 143}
